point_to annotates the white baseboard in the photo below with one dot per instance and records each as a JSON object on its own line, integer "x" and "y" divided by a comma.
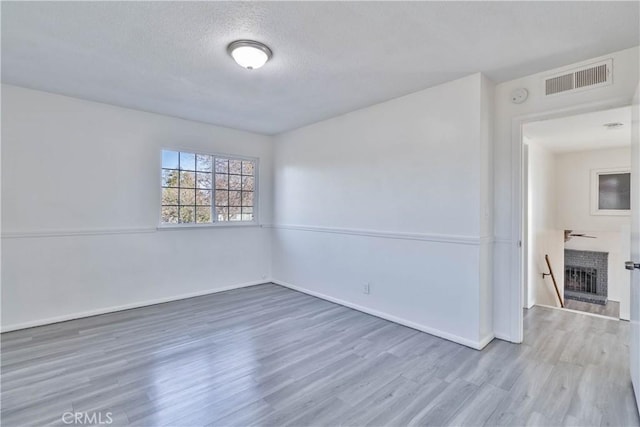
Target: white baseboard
{"x": 96, "y": 312}
{"x": 476, "y": 345}
{"x": 504, "y": 337}
{"x": 485, "y": 341}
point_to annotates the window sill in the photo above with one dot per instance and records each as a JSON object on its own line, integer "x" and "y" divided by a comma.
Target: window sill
{"x": 173, "y": 227}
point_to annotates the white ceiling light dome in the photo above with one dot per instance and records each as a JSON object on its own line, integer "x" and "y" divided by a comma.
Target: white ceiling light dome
{"x": 249, "y": 54}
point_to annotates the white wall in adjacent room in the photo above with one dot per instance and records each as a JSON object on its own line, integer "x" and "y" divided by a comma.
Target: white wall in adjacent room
{"x": 80, "y": 207}
{"x": 612, "y": 232}
{"x": 392, "y": 195}
{"x": 544, "y": 237}
{"x": 574, "y": 188}
{"x": 507, "y": 164}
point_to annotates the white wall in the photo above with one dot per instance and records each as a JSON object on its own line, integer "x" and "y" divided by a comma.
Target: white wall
{"x": 574, "y": 188}
{"x": 392, "y": 195}
{"x": 544, "y": 237}
{"x": 80, "y": 193}
{"x": 487, "y": 88}
{"x": 574, "y": 213}
{"x": 507, "y": 168}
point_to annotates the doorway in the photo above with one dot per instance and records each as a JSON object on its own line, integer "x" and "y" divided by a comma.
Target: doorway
{"x": 576, "y": 212}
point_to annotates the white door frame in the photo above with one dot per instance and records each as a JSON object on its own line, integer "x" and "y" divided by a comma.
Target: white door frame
{"x": 517, "y": 200}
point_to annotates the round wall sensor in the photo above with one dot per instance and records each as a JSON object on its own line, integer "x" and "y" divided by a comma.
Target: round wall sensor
{"x": 520, "y": 95}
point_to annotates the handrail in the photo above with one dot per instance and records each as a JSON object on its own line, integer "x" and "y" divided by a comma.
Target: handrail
{"x": 553, "y": 278}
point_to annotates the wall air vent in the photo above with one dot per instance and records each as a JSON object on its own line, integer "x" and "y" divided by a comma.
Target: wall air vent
{"x": 559, "y": 84}
{"x": 587, "y": 77}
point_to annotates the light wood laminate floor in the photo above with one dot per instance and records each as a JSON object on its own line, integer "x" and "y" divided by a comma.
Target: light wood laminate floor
{"x": 266, "y": 355}
{"x": 610, "y": 309}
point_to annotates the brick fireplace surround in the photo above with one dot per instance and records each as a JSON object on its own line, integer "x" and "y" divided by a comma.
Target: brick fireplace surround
{"x": 589, "y": 259}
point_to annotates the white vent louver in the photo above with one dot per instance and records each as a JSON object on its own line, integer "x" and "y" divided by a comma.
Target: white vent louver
{"x": 588, "y": 77}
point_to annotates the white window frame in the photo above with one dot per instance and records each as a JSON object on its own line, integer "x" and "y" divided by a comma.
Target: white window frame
{"x": 214, "y": 221}
{"x": 595, "y": 192}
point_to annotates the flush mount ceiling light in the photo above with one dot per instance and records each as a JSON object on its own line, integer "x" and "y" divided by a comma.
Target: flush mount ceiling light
{"x": 613, "y": 125}
{"x": 249, "y": 54}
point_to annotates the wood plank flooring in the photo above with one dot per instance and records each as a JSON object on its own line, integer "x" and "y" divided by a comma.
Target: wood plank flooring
{"x": 611, "y": 308}
{"x": 266, "y": 355}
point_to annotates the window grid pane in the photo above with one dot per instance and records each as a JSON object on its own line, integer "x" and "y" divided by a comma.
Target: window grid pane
{"x": 204, "y": 162}
{"x": 203, "y": 214}
{"x": 203, "y": 180}
{"x": 187, "y": 161}
{"x": 187, "y": 214}
{"x": 170, "y": 178}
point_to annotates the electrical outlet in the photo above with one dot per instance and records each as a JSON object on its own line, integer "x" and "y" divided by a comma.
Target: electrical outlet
{"x": 366, "y": 289}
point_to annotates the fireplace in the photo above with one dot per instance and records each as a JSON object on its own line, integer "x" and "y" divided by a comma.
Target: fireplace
{"x": 581, "y": 279}
{"x": 585, "y": 276}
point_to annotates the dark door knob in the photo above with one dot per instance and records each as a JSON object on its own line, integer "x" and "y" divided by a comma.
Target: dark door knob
{"x": 630, "y": 265}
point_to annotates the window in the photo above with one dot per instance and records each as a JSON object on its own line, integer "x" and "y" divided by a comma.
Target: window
{"x": 205, "y": 188}
{"x": 611, "y": 192}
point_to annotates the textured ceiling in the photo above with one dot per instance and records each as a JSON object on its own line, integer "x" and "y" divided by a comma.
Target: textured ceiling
{"x": 582, "y": 132}
{"x": 329, "y": 57}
